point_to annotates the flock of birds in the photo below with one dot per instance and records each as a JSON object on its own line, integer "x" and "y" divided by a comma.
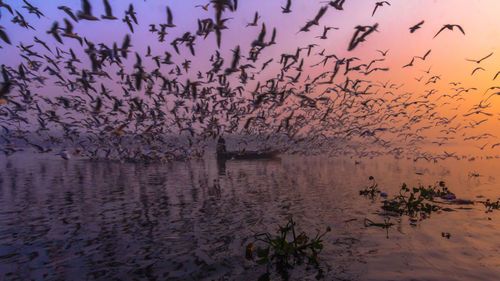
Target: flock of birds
{"x": 158, "y": 108}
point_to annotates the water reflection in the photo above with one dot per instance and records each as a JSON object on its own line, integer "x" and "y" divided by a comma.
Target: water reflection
{"x": 66, "y": 220}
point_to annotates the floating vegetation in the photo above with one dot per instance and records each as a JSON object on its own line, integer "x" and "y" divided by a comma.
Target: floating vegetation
{"x": 372, "y": 190}
{"x": 384, "y": 225}
{"x": 490, "y": 205}
{"x": 286, "y": 250}
{"x": 418, "y": 202}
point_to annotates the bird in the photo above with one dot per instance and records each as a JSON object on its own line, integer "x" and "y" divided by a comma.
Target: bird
{"x": 286, "y": 9}
{"x": 69, "y": 12}
{"x": 109, "y": 12}
{"x": 480, "y": 60}
{"x": 68, "y": 32}
{"x": 325, "y": 31}
{"x": 476, "y": 69}
{"x": 86, "y": 14}
{"x": 4, "y": 90}
{"x": 496, "y": 75}
{"x": 337, "y": 4}
{"x": 32, "y": 9}
{"x": 426, "y": 54}
{"x": 379, "y": 4}
{"x": 383, "y": 53}
{"x": 449, "y": 27}
{"x": 204, "y": 7}
{"x": 416, "y": 26}
{"x": 4, "y": 36}
{"x": 54, "y": 30}
{"x": 170, "y": 18}
{"x": 410, "y": 63}
{"x": 255, "y": 19}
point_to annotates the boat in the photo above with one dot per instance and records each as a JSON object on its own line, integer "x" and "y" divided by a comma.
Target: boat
{"x": 247, "y": 155}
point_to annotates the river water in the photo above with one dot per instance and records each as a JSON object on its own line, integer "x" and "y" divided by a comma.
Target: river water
{"x": 87, "y": 220}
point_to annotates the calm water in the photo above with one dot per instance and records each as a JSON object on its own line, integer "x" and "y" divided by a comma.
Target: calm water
{"x": 82, "y": 220}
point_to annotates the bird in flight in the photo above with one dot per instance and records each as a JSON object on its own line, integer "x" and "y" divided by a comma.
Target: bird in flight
{"x": 68, "y": 11}
{"x": 476, "y": 69}
{"x": 337, "y": 4}
{"x": 86, "y": 14}
{"x": 379, "y": 4}
{"x": 410, "y": 63}
{"x": 495, "y": 77}
{"x": 286, "y": 9}
{"x": 255, "y": 20}
{"x": 383, "y": 53}
{"x": 480, "y": 60}
{"x": 4, "y": 36}
{"x": 426, "y": 54}
{"x": 416, "y": 26}
{"x": 109, "y": 12}
{"x": 170, "y": 18}
{"x": 450, "y": 27}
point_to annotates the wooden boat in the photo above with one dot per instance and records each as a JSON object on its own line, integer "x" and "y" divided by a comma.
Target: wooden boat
{"x": 247, "y": 155}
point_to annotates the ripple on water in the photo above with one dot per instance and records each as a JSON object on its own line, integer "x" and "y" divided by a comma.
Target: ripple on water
{"x": 191, "y": 221}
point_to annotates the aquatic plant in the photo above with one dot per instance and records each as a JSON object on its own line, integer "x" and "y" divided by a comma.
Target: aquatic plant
{"x": 490, "y": 205}
{"x": 384, "y": 225}
{"x": 370, "y": 191}
{"x": 418, "y": 201}
{"x": 286, "y": 250}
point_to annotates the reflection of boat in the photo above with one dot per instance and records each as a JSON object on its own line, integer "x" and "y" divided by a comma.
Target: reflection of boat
{"x": 247, "y": 155}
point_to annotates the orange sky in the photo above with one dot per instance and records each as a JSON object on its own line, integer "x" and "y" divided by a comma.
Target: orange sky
{"x": 447, "y": 59}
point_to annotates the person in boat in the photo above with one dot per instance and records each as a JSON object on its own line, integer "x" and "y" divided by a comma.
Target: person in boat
{"x": 221, "y": 145}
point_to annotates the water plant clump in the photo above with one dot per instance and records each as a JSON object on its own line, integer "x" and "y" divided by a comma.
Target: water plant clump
{"x": 417, "y": 202}
{"x": 372, "y": 190}
{"x": 490, "y": 205}
{"x": 287, "y": 249}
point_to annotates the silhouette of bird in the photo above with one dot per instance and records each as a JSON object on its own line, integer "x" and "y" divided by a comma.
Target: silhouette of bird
{"x": 480, "y": 60}
{"x": 69, "y": 12}
{"x": 54, "y": 30}
{"x": 410, "y": 63}
{"x": 426, "y": 54}
{"x": 449, "y": 27}
{"x": 4, "y": 36}
{"x": 383, "y": 53}
{"x": 255, "y": 19}
{"x": 86, "y": 14}
{"x": 379, "y": 4}
{"x": 204, "y": 7}
{"x": 170, "y": 18}
{"x": 416, "y": 26}
{"x": 476, "y": 69}
{"x": 109, "y": 12}
{"x": 286, "y": 9}
{"x": 496, "y": 75}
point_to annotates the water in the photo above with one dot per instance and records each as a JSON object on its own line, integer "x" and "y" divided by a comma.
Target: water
{"x": 83, "y": 220}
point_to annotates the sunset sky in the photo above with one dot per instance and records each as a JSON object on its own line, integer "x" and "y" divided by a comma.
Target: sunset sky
{"x": 447, "y": 59}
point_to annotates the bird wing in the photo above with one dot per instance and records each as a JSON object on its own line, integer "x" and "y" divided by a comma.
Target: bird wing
{"x": 459, "y": 27}
{"x": 107, "y": 7}
{"x": 442, "y": 28}
{"x": 4, "y": 36}
{"x": 486, "y": 57}
{"x": 69, "y": 27}
{"x": 170, "y": 18}
{"x": 496, "y": 75}
{"x": 375, "y": 9}
{"x": 321, "y": 12}
{"x": 86, "y": 7}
